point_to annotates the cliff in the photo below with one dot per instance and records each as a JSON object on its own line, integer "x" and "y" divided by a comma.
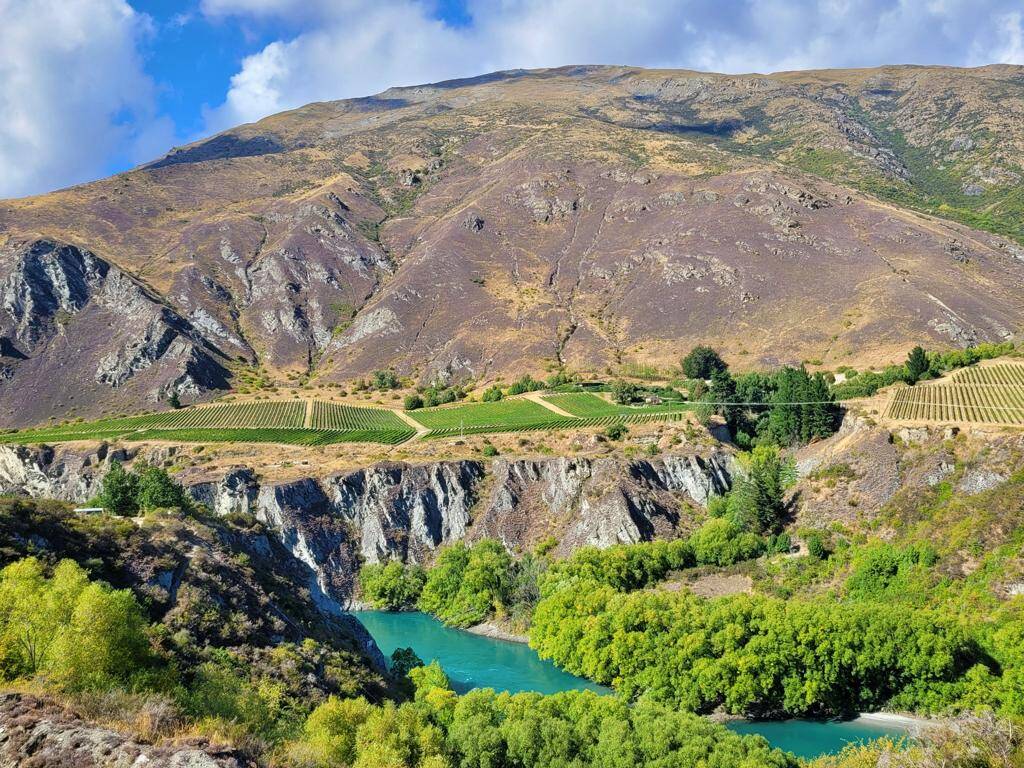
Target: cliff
{"x": 404, "y": 511}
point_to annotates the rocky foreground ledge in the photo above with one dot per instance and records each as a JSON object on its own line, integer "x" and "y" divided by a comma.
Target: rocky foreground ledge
{"x": 38, "y": 734}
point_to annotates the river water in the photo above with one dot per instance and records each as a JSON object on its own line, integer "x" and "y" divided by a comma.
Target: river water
{"x": 473, "y": 661}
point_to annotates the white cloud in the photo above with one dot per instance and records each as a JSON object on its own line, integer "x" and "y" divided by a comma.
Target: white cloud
{"x": 73, "y": 94}
{"x": 346, "y": 48}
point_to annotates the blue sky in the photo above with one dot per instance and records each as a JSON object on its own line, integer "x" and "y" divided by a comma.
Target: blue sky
{"x": 91, "y": 87}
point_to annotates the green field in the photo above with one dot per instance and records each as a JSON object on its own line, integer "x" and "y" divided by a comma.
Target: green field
{"x": 991, "y": 394}
{"x": 254, "y": 422}
{"x": 285, "y": 422}
{"x": 503, "y": 416}
{"x": 587, "y": 405}
{"x": 520, "y": 414}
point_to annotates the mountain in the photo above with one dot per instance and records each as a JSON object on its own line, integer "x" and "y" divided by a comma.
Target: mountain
{"x": 584, "y": 217}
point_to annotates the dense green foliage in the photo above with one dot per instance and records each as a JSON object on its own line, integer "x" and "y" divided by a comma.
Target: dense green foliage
{"x": 702, "y": 362}
{"x": 753, "y": 654}
{"x": 391, "y": 586}
{"x": 483, "y": 729}
{"x": 626, "y": 392}
{"x": 468, "y": 584}
{"x": 126, "y": 493}
{"x": 79, "y": 634}
{"x": 917, "y": 364}
{"x": 525, "y": 384}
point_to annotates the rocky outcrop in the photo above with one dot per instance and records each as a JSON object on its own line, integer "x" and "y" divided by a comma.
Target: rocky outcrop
{"x": 406, "y": 512}
{"x": 36, "y": 733}
{"x": 74, "y": 327}
{"x": 55, "y": 472}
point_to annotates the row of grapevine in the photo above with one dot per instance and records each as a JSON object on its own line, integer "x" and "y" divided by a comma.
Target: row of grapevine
{"x": 347, "y": 417}
{"x": 252, "y": 415}
{"x": 988, "y": 404}
{"x": 1002, "y": 375}
{"x": 558, "y": 423}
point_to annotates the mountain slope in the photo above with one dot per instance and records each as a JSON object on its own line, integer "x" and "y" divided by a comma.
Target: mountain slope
{"x": 584, "y": 217}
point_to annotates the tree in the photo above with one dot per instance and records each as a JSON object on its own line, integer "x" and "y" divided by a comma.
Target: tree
{"x": 626, "y": 393}
{"x": 723, "y": 395}
{"x": 917, "y": 364}
{"x": 155, "y": 490}
{"x": 413, "y": 402}
{"x": 385, "y": 380}
{"x": 174, "y": 400}
{"x": 119, "y": 493}
{"x": 493, "y": 394}
{"x": 391, "y": 586}
{"x": 404, "y": 660}
{"x": 616, "y": 431}
{"x": 803, "y": 408}
{"x": 758, "y": 499}
{"x": 702, "y": 362}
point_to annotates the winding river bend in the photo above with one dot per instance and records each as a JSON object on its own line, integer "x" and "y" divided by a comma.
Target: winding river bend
{"x": 473, "y": 661}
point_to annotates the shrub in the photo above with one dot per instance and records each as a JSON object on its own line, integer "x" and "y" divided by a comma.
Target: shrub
{"x": 721, "y": 542}
{"x": 391, "y": 586}
{"x": 413, "y": 402}
{"x": 702, "y": 362}
{"x": 493, "y": 394}
{"x": 616, "y": 431}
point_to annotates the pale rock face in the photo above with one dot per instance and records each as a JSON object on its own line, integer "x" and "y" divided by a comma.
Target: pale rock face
{"x": 56, "y": 473}
{"x": 394, "y": 511}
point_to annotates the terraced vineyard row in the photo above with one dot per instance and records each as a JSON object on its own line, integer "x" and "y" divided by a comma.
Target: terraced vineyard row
{"x": 986, "y": 404}
{"x": 587, "y": 405}
{"x": 254, "y": 415}
{"x": 284, "y": 422}
{"x": 1003, "y": 375}
{"x": 347, "y": 417}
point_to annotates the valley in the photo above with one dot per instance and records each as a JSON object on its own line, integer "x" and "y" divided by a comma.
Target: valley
{"x": 550, "y": 418}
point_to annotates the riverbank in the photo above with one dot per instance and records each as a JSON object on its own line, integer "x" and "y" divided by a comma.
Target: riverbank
{"x": 892, "y": 718}
{"x": 497, "y": 632}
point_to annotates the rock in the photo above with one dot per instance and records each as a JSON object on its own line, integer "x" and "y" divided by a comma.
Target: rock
{"x": 911, "y": 435}
{"x": 940, "y": 473}
{"x": 473, "y": 222}
{"x": 973, "y": 190}
{"x": 36, "y": 733}
{"x": 408, "y": 178}
{"x": 957, "y": 250}
{"x": 980, "y": 480}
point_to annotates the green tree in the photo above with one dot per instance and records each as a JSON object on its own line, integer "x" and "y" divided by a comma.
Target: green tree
{"x": 468, "y": 584}
{"x": 155, "y": 489}
{"x": 404, "y": 660}
{"x": 385, "y": 380}
{"x": 492, "y": 394}
{"x": 413, "y": 402}
{"x": 917, "y": 364}
{"x": 757, "y": 501}
{"x": 104, "y": 642}
{"x": 702, "y": 362}
{"x": 119, "y": 493}
{"x": 391, "y": 586}
{"x": 626, "y": 393}
{"x": 723, "y": 394}
{"x": 174, "y": 400}
{"x": 330, "y": 730}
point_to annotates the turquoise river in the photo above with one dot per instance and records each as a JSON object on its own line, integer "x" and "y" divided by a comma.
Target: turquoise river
{"x": 473, "y": 661}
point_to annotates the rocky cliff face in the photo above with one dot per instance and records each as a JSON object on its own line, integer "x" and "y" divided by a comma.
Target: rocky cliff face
{"x": 401, "y": 511}
{"x": 76, "y": 332}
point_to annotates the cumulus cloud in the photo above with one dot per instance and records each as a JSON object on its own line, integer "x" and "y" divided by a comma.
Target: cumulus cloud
{"x": 73, "y": 93}
{"x": 344, "y": 48}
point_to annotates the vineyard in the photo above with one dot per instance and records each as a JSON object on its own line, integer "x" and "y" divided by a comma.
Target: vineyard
{"x": 318, "y": 422}
{"x": 986, "y": 395}
{"x": 521, "y": 415}
{"x": 587, "y": 405}
{"x": 255, "y": 422}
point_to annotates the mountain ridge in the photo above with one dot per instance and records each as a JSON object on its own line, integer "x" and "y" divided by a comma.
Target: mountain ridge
{"x": 579, "y": 217}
